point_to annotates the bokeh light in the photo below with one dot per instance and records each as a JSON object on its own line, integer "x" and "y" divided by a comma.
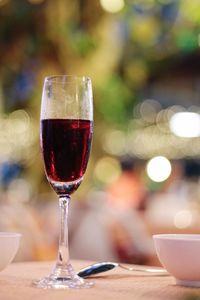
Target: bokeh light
{"x": 149, "y": 110}
{"x": 145, "y": 30}
{"x": 159, "y": 168}
{"x": 107, "y": 170}
{"x": 114, "y": 142}
{"x": 17, "y": 136}
{"x": 185, "y": 124}
{"x": 183, "y": 219}
{"x": 112, "y": 6}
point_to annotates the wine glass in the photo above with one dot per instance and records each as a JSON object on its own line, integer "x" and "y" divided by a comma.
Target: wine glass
{"x": 65, "y": 135}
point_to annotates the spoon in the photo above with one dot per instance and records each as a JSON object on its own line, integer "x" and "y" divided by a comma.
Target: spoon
{"x": 106, "y": 266}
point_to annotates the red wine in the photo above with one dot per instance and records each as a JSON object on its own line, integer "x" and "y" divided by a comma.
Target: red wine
{"x": 66, "y": 147}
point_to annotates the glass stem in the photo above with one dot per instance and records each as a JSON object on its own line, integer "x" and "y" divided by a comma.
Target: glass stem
{"x": 63, "y": 267}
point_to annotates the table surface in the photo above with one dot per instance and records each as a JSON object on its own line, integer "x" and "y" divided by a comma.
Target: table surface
{"x": 15, "y": 284}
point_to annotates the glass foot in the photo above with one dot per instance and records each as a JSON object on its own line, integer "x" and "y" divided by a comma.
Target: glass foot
{"x": 62, "y": 283}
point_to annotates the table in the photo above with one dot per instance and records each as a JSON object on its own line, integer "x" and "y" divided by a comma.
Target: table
{"x": 117, "y": 284}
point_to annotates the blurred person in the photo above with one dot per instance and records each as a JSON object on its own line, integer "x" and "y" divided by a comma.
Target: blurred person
{"x": 108, "y": 233}
{"x": 128, "y": 191}
{"x": 126, "y": 199}
{"x": 114, "y": 223}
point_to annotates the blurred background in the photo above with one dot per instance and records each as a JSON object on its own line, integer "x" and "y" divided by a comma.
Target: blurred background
{"x": 143, "y": 176}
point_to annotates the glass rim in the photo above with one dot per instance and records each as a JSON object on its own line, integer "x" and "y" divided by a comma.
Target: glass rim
{"x": 66, "y": 78}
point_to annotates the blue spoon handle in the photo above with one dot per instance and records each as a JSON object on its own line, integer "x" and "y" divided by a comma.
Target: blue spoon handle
{"x": 97, "y": 268}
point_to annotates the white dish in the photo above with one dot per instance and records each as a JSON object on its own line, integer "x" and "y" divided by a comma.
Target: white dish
{"x": 179, "y": 255}
{"x": 9, "y": 244}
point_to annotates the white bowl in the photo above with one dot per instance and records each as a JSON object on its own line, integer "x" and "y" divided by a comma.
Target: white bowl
{"x": 180, "y": 256}
{"x": 9, "y": 244}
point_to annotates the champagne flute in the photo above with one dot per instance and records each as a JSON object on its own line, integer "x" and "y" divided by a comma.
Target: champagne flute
{"x": 65, "y": 135}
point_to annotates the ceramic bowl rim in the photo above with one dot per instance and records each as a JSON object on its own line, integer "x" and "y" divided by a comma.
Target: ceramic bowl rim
{"x": 178, "y": 237}
{"x": 10, "y": 234}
